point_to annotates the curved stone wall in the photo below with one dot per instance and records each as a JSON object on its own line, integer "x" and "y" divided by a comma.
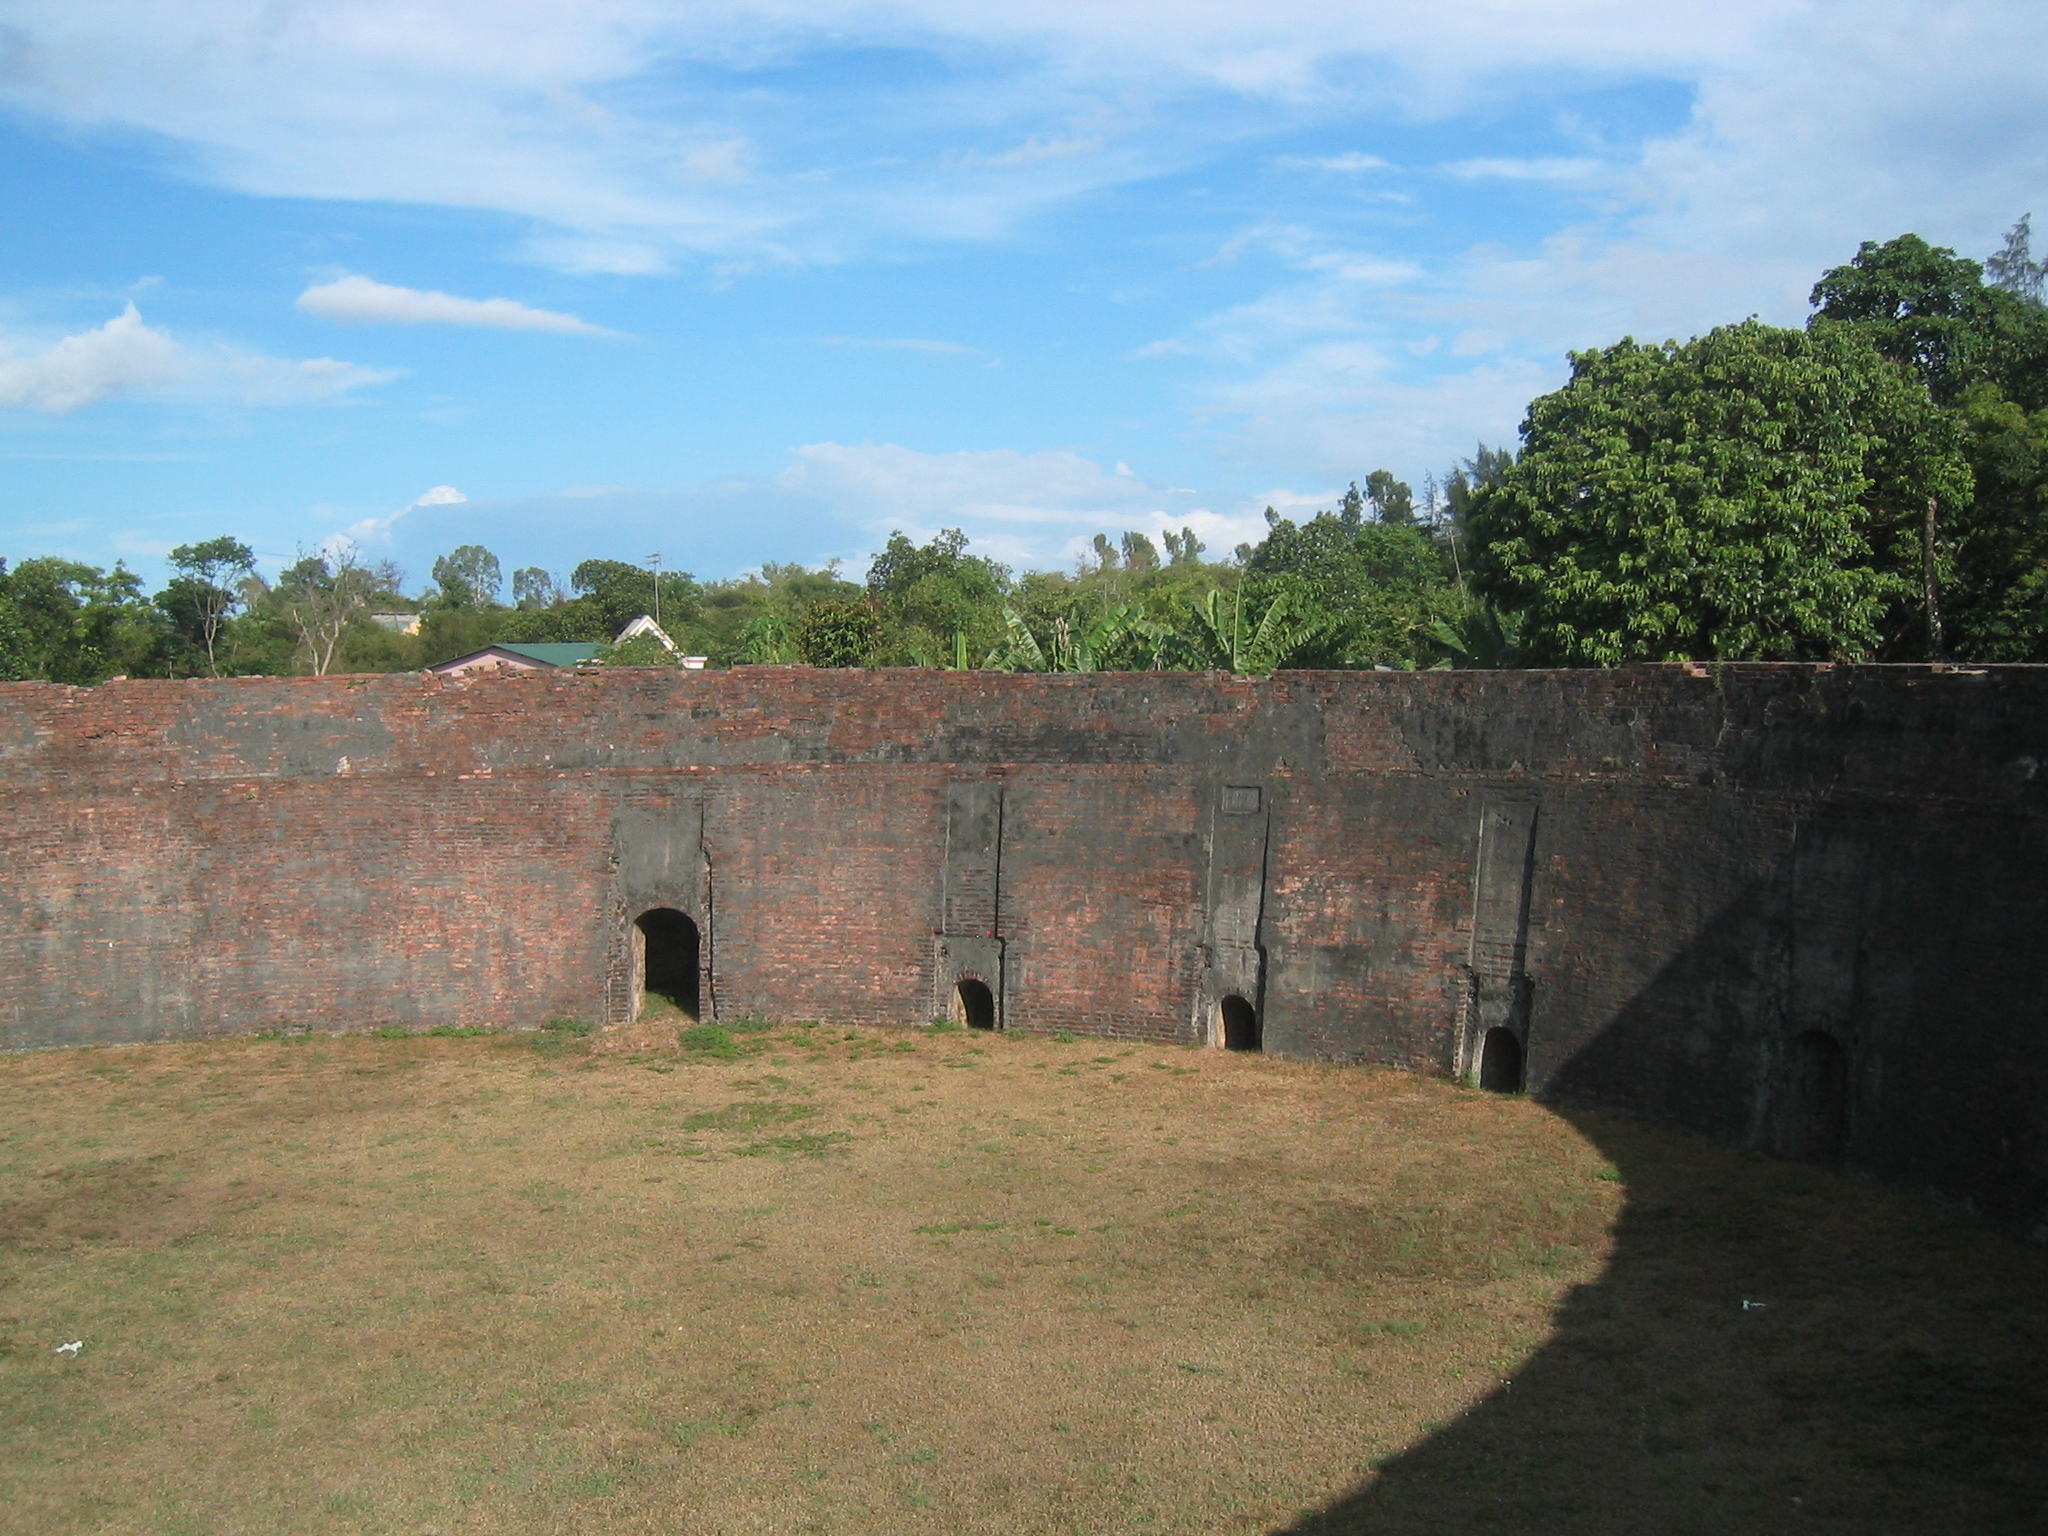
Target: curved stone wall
{"x": 1804, "y": 908}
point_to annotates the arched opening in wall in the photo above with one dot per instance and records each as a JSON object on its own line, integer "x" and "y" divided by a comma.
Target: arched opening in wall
{"x": 1500, "y": 1062}
{"x": 1818, "y": 1104}
{"x": 1239, "y": 1022}
{"x": 974, "y": 1004}
{"x": 670, "y": 952}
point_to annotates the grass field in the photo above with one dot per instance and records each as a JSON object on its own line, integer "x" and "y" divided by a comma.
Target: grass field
{"x": 814, "y": 1279}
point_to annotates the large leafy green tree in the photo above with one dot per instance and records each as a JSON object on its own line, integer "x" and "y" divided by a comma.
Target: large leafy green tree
{"x": 1756, "y": 493}
{"x": 469, "y": 577}
{"x": 1982, "y": 349}
{"x": 79, "y": 624}
{"x": 207, "y": 589}
{"x": 936, "y": 600}
{"x": 1375, "y": 590}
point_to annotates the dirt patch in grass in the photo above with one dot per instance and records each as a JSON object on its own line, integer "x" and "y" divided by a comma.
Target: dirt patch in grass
{"x": 802, "y": 1278}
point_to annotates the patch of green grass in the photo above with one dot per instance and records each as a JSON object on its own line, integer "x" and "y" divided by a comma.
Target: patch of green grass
{"x": 747, "y": 1116}
{"x": 711, "y": 1040}
{"x": 688, "y": 1434}
{"x": 947, "y": 1229}
{"x": 795, "y": 1146}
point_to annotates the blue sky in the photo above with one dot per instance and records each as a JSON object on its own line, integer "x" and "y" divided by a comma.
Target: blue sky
{"x": 760, "y": 281}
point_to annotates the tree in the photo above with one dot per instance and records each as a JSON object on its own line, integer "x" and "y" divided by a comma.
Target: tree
{"x": 936, "y": 599}
{"x": 79, "y": 624}
{"x": 2014, "y": 268}
{"x": 1754, "y": 494}
{"x": 211, "y": 577}
{"x": 321, "y": 595}
{"x": 1183, "y": 548}
{"x": 1140, "y": 553}
{"x": 468, "y": 577}
{"x": 1392, "y": 500}
{"x": 615, "y": 594}
{"x": 1928, "y": 308}
{"x": 1377, "y": 588}
{"x": 534, "y": 588}
{"x": 1983, "y": 351}
{"x": 836, "y": 633}
{"x": 15, "y": 662}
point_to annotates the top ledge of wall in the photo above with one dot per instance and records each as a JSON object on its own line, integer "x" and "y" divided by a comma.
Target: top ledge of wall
{"x": 1914, "y": 731}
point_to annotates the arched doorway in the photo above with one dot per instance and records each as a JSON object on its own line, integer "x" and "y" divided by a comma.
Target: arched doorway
{"x": 1239, "y": 1024}
{"x": 670, "y": 952}
{"x": 974, "y": 1004}
{"x": 1500, "y": 1062}
{"x": 1817, "y": 1118}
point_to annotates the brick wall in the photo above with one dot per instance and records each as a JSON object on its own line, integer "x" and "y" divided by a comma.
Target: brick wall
{"x": 1681, "y": 871}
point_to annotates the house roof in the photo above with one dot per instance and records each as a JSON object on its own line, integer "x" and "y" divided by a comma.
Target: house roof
{"x": 556, "y": 653}
{"x": 560, "y": 653}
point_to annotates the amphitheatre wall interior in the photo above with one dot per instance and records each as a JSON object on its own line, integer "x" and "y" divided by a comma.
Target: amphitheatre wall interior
{"x": 1803, "y": 908}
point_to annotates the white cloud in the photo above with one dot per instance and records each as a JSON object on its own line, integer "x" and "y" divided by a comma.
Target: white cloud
{"x": 1029, "y": 509}
{"x": 126, "y": 357}
{"x": 122, "y": 357}
{"x": 1351, "y": 164}
{"x": 636, "y": 130}
{"x": 1540, "y": 169}
{"x": 355, "y": 300}
{"x": 1033, "y": 151}
{"x": 903, "y": 344}
{"x": 378, "y": 530}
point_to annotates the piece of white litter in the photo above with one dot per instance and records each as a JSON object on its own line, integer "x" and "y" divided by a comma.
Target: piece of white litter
{"x": 1754, "y": 1306}
{"x": 72, "y": 1348}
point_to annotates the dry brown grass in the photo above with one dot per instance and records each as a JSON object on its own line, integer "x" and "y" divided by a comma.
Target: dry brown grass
{"x": 813, "y": 1280}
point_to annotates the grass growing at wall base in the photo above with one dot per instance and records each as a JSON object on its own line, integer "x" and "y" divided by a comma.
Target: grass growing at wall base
{"x": 802, "y": 1278}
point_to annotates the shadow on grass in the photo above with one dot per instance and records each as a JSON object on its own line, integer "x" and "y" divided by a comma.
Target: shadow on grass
{"x": 1893, "y": 1379}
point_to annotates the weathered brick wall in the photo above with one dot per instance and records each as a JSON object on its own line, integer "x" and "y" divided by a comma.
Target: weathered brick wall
{"x": 1682, "y": 870}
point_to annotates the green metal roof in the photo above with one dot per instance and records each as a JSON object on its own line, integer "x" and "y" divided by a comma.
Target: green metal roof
{"x": 555, "y": 653}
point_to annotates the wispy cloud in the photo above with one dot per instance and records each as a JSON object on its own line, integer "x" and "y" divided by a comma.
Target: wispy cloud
{"x": 355, "y": 300}
{"x": 1539, "y": 169}
{"x": 1033, "y": 151}
{"x": 903, "y": 344}
{"x": 1353, "y": 164}
{"x": 126, "y": 357}
{"x": 1033, "y": 509}
{"x": 635, "y": 133}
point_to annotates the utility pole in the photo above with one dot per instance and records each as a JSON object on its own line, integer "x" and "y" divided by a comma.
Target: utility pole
{"x": 654, "y": 564}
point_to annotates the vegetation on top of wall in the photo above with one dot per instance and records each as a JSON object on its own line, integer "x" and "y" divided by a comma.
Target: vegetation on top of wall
{"x": 1872, "y": 487}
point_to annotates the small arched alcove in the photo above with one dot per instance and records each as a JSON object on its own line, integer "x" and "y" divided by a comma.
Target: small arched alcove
{"x": 974, "y": 1004}
{"x": 1817, "y": 1104}
{"x": 1238, "y": 1023}
{"x": 670, "y": 957}
{"x": 1500, "y": 1062}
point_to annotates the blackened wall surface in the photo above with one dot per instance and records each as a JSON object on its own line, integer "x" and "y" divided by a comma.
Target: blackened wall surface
{"x": 1659, "y": 878}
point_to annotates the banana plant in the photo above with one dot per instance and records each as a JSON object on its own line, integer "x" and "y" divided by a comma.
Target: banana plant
{"x": 1075, "y": 647}
{"x": 1482, "y": 637}
{"x": 1253, "y": 650}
